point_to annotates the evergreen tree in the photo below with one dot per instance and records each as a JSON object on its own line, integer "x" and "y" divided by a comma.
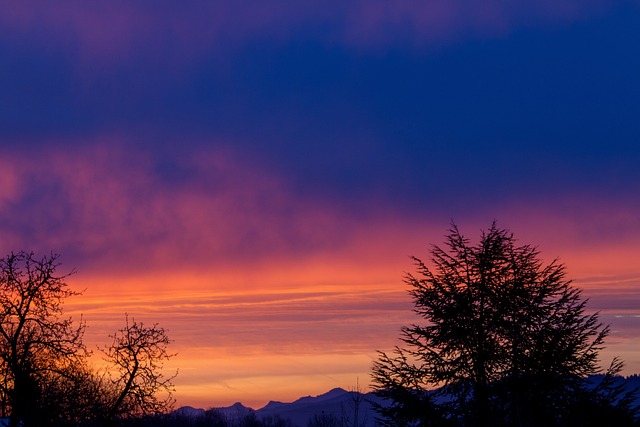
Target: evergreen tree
{"x": 507, "y": 340}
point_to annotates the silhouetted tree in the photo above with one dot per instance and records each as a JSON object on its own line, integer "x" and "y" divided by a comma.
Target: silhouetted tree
{"x": 214, "y": 418}
{"x": 135, "y": 359}
{"x": 355, "y": 405}
{"x": 275, "y": 421}
{"x": 592, "y": 407}
{"x": 507, "y": 340}
{"x": 324, "y": 420}
{"x": 45, "y": 379}
{"x": 38, "y": 346}
{"x": 76, "y": 398}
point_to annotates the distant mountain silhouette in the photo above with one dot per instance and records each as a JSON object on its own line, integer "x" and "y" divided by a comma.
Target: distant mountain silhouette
{"x": 337, "y": 403}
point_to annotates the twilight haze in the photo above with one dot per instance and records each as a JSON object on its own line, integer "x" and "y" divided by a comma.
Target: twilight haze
{"x": 255, "y": 175}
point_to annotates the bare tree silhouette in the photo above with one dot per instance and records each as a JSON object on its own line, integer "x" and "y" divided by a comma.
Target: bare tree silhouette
{"x": 38, "y": 346}
{"x": 136, "y": 358}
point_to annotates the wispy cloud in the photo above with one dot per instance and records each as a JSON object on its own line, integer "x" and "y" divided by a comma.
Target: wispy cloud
{"x": 99, "y": 202}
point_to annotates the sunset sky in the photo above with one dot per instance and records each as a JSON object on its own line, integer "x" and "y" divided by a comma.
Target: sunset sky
{"x": 254, "y": 175}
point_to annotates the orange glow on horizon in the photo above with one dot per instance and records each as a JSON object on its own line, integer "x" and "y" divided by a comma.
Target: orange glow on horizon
{"x": 301, "y": 331}
{"x": 277, "y": 296}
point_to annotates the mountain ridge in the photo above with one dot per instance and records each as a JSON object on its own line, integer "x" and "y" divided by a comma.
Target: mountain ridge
{"x": 338, "y": 404}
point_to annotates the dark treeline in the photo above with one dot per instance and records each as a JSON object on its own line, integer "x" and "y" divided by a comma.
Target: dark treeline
{"x": 209, "y": 418}
{"x": 217, "y": 418}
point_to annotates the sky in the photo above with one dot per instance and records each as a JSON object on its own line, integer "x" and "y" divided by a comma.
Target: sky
{"x": 254, "y": 176}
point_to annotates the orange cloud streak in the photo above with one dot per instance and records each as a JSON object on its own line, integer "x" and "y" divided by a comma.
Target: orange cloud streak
{"x": 266, "y": 296}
